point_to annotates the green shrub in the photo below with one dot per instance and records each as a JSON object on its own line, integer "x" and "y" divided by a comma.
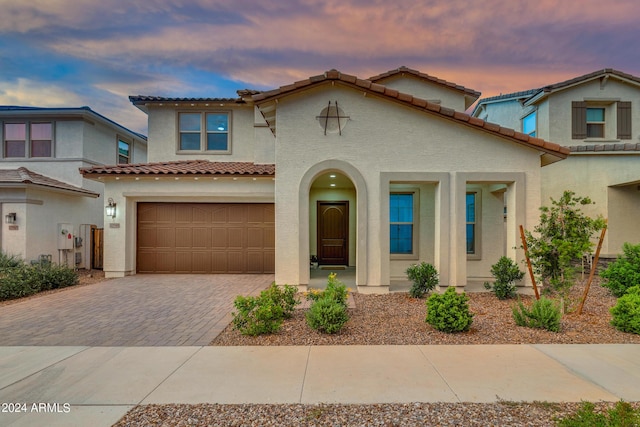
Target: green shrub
{"x": 624, "y": 272}
{"x": 257, "y": 315}
{"x": 335, "y": 291}
{"x": 327, "y": 315}
{"x": 53, "y": 276}
{"x": 284, "y": 296}
{"x": 506, "y": 272}
{"x": 622, "y": 415}
{"x": 9, "y": 261}
{"x": 18, "y": 282}
{"x": 626, "y": 312}
{"x": 449, "y": 312}
{"x": 424, "y": 277}
{"x": 544, "y": 314}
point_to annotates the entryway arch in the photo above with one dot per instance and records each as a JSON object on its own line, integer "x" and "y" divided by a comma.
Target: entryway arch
{"x": 315, "y": 187}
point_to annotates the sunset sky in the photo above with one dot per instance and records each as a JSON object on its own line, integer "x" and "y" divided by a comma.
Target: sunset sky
{"x": 70, "y": 53}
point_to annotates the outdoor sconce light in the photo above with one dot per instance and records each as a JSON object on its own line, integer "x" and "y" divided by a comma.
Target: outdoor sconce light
{"x": 110, "y": 209}
{"x": 10, "y": 218}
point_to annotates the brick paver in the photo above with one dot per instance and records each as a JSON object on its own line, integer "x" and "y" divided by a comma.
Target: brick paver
{"x": 140, "y": 310}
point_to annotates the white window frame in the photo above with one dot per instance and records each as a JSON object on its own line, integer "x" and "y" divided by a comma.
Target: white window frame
{"x": 415, "y": 237}
{"x": 129, "y": 157}
{"x": 204, "y": 132}
{"x": 28, "y": 149}
{"x": 602, "y": 124}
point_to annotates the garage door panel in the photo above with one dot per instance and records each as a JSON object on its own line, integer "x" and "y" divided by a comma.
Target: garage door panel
{"x": 205, "y": 238}
{"x": 219, "y": 262}
{"x": 201, "y": 237}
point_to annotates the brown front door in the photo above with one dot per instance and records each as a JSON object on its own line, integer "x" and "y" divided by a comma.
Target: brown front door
{"x": 333, "y": 233}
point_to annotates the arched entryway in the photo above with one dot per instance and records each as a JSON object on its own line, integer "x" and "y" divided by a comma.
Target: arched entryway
{"x": 333, "y": 220}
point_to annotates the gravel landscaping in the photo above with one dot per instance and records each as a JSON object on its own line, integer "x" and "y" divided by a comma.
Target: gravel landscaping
{"x": 397, "y": 319}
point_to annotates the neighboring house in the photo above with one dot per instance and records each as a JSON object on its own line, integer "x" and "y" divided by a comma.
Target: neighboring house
{"x": 596, "y": 116}
{"x": 361, "y": 173}
{"x": 48, "y": 208}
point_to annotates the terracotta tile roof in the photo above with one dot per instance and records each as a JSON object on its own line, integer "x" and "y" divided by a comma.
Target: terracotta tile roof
{"x": 586, "y": 77}
{"x": 596, "y": 148}
{"x": 25, "y": 176}
{"x": 513, "y": 95}
{"x": 411, "y": 101}
{"x": 427, "y": 77}
{"x": 183, "y": 167}
{"x": 143, "y": 99}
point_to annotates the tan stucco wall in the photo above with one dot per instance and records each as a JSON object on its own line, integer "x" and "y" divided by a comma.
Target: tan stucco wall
{"x": 245, "y": 136}
{"x": 382, "y": 137}
{"x": 120, "y": 242}
{"x": 591, "y": 176}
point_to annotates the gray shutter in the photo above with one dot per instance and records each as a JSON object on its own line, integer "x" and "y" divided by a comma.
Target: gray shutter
{"x": 624, "y": 120}
{"x": 578, "y": 120}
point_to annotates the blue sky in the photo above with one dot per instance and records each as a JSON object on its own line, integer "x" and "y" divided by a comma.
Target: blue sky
{"x": 86, "y": 52}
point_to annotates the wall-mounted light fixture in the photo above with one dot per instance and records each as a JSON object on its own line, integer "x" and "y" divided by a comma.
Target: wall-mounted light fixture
{"x": 10, "y": 218}
{"x": 110, "y": 209}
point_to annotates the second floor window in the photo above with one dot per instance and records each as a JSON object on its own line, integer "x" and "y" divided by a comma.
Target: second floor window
{"x": 124, "y": 152}
{"x": 207, "y": 132}
{"x": 27, "y": 139}
{"x": 529, "y": 124}
{"x": 595, "y": 122}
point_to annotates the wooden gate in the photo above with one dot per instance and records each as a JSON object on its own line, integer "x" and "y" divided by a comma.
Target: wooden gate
{"x": 97, "y": 247}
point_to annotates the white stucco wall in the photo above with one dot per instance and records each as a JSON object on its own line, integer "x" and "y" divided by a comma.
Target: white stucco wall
{"x": 507, "y": 113}
{"x": 383, "y": 137}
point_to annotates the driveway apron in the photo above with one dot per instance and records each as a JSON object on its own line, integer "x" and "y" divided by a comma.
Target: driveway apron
{"x": 140, "y": 310}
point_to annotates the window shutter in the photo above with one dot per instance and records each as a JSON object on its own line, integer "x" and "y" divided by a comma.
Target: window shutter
{"x": 578, "y": 120}
{"x": 624, "y": 120}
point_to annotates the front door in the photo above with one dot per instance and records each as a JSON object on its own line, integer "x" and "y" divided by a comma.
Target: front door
{"x": 333, "y": 233}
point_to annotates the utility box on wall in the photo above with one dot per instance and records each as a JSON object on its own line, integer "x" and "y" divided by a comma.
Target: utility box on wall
{"x": 65, "y": 236}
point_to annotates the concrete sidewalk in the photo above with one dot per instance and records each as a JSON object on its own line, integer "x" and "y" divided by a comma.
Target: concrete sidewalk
{"x": 98, "y": 385}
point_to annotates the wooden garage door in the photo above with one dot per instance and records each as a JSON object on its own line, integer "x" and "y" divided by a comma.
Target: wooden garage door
{"x": 206, "y": 238}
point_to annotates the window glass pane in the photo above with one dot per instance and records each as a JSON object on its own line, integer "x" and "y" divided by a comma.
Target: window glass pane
{"x": 401, "y": 208}
{"x": 14, "y": 149}
{"x": 401, "y": 238}
{"x": 190, "y": 122}
{"x": 529, "y": 124}
{"x": 190, "y": 141}
{"x": 471, "y": 238}
{"x": 41, "y": 131}
{"x": 471, "y": 207}
{"x": 40, "y": 148}
{"x": 15, "y": 131}
{"x": 216, "y": 141}
{"x": 217, "y": 122}
{"x": 123, "y": 148}
{"x": 595, "y": 130}
{"x": 595, "y": 114}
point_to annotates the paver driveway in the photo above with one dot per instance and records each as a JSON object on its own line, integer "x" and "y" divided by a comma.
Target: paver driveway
{"x": 140, "y": 310}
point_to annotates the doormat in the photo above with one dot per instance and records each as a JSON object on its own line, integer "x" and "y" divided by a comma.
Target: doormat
{"x": 328, "y": 267}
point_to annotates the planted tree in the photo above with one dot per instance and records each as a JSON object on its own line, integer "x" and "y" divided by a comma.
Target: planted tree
{"x": 561, "y": 238}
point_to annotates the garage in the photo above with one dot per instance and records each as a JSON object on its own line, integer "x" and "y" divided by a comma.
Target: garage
{"x": 205, "y": 238}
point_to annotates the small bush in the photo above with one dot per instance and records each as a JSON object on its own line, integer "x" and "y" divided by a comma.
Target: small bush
{"x": 622, "y": 415}
{"x": 544, "y": 314}
{"x": 506, "y": 272}
{"x": 284, "y": 296}
{"x": 327, "y": 315}
{"x": 626, "y": 312}
{"x": 257, "y": 316}
{"x": 624, "y": 272}
{"x": 424, "y": 277}
{"x": 9, "y": 261}
{"x": 449, "y": 312}
{"x": 335, "y": 290}
{"x": 18, "y": 282}
{"x": 53, "y": 276}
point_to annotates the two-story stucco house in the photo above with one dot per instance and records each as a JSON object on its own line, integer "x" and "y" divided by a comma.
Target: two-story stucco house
{"x": 48, "y": 208}
{"x": 596, "y": 116}
{"x": 374, "y": 173}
